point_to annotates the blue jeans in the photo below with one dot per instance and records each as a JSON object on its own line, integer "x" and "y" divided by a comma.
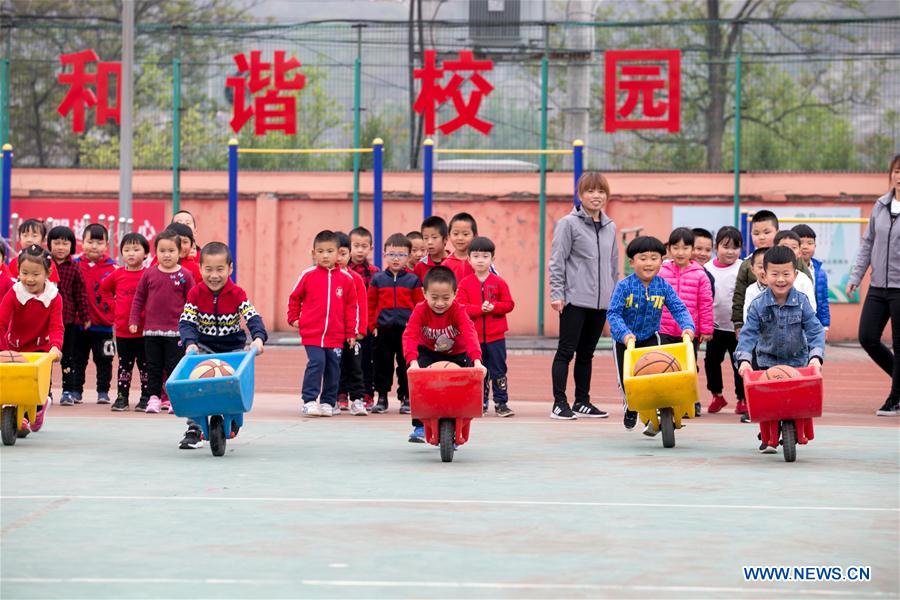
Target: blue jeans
{"x": 323, "y": 374}
{"x": 493, "y": 355}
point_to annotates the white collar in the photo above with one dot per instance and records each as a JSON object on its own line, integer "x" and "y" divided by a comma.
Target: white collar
{"x": 46, "y": 297}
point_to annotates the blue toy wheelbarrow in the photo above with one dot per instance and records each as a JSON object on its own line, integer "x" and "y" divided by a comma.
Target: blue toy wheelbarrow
{"x": 216, "y": 404}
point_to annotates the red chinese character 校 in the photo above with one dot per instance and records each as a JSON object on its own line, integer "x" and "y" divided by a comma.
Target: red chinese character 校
{"x": 273, "y": 112}
{"x": 432, "y": 94}
{"x": 640, "y": 82}
{"x": 79, "y": 97}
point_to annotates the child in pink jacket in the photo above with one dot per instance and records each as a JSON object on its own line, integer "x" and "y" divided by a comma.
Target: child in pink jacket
{"x": 692, "y": 285}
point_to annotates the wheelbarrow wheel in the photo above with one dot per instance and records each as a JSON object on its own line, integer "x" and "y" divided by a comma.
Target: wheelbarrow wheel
{"x": 217, "y": 435}
{"x": 447, "y": 430}
{"x": 789, "y": 440}
{"x": 8, "y": 425}
{"x": 667, "y": 427}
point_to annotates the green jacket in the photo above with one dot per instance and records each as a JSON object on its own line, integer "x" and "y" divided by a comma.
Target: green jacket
{"x": 745, "y": 277}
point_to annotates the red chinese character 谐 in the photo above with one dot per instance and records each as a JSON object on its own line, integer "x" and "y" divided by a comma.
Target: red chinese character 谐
{"x": 273, "y": 112}
{"x": 80, "y": 97}
{"x": 432, "y": 94}
{"x": 639, "y": 75}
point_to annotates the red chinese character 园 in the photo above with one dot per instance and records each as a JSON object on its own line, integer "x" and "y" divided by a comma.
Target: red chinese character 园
{"x": 640, "y": 83}
{"x": 273, "y": 112}
{"x": 432, "y": 94}
{"x": 79, "y": 97}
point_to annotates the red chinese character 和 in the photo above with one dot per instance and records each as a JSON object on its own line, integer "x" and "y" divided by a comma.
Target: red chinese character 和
{"x": 80, "y": 97}
{"x": 649, "y": 79}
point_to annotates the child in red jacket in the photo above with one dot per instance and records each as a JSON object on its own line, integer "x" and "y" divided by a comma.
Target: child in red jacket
{"x": 360, "y": 248}
{"x": 351, "y": 389}
{"x": 33, "y": 232}
{"x": 122, "y": 285}
{"x": 323, "y": 308}
{"x": 487, "y": 300}
{"x": 31, "y": 315}
{"x": 439, "y": 329}
{"x": 463, "y": 229}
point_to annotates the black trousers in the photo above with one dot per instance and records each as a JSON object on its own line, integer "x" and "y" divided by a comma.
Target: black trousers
{"x": 388, "y": 352}
{"x": 131, "y": 352}
{"x": 721, "y": 343}
{"x": 428, "y": 357}
{"x": 69, "y": 361}
{"x": 351, "y": 382}
{"x": 579, "y": 331}
{"x": 881, "y": 305}
{"x": 493, "y": 356}
{"x": 100, "y": 345}
{"x": 163, "y": 354}
{"x": 365, "y": 357}
{"x": 653, "y": 340}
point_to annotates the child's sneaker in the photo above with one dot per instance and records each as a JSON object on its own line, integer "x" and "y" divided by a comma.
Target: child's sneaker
{"x": 502, "y": 410}
{"x": 327, "y": 410}
{"x": 39, "y": 417}
{"x": 417, "y": 436}
{"x": 562, "y": 411}
{"x": 165, "y": 405}
{"x": 343, "y": 402}
{"x": 630, "y": 419}
{"x": 697, "y": 409}
{"x": 193, "y": 439}
{"x": 358, "y": 408}
{"x": 650, "y": 429}
{"x": 102, "y": 397}
{"x": 153, "y": 405}
{"x": 120, "y": 405}
{"x": 67, "y": 399}
{"x": 586, "y": 409}
{"x": 745, "y": 418}
{"x": 740, "y": 408}
{"x": 404, "y": 406}
{"x": 141, "y": 406}
{"x": 717, "y": 404}
{"x": 311, "y": 409}
{"x": 381, "y": 406}
{"x": 890, "y": 408}
{"x": 764, "y": 449}
{"x": 369, "y": 402}
{"x": 77, "y": 397}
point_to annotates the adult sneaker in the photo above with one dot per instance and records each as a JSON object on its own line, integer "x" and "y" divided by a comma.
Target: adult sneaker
{"x": 102, "y": 397}
{"x": 193, "y": 439}
{"x": 358, "y": 408}
{"x": 717, "y": 404}
{"x": 586, "y": 409}
{"x": 890, "y": 408}
{"x": 417, "y": 436}
{"x": 650, "y": 429}
{"x": 120, "y": 405}
{"x": 502, "y": 410}
{"x": 328, "y": 410}
{"x": 67, "y": 399}
{"x": 141, "y": 406}
{"x": 312, "y": 409}
{"x": 153, "y": 405}
{"x": 562, "y": 412}
{"x": 630, "y": 419}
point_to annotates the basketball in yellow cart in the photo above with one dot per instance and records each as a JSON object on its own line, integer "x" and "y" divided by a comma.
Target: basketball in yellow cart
{"x": 662, "y": 398}
{"x": 23, "y": 388}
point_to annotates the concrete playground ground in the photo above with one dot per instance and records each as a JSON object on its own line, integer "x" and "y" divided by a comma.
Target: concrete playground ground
{"x": 104, "y": 505}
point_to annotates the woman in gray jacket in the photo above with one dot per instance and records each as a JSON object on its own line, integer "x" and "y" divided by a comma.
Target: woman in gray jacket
{"x": 584, "y": 267}
{"x": 880, "y": 249}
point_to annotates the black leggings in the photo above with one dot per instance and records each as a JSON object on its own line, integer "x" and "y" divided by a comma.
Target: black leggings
{"x": 722, "y": 342}
{"x": 881, "y": 305}
{"x": 163, "y": 354}
{"x": 131, "y": 353}
{"x": 579, "y": 332}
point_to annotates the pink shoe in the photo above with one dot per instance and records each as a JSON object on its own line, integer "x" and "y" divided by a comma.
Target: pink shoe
{"x": 39, "y": 417}
{"x": 166, "y": 406}
{"x": 153, "y": 405}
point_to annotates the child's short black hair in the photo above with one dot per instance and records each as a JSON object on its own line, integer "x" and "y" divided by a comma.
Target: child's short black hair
{"x": 33, "y": 225}
{"x": 683, "y": 235}
{"x": 465, "y": 217}
{"x": 325, "y": 236}
{"x": 699, "y": 232}
{"x": 786, "y": 234}
{"x": 4, "y": 251}
{"x": 804, "y": 231}
{"x": 135, "y": 238}
{"x": 644, "y": 243}
{"x": 95, "y": 231}
{"x": 398, "y": 240}
{"x": 439, "y": 275}
{"x": 730, "y": 233}
{"x": 35, "y": 254}
{"x": 61, "y": 232}
{"x": 757, "y": 253}
{"x": 482, "y": 244}
{"x": 343, "y": 240}
{"x": 778, "y": 255}
{"x": 414, "y": 235}
{"x": 167, "y": 234}
{"x": 436, "y": 222}
{"x": 182, "y": 230}
{"x": 362, "y": 232}
{"x": 216, "y": 249}
{"x": 765, "y": 215}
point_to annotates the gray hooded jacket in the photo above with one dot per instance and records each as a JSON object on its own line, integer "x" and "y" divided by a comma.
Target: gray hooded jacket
{"x": 880, "y": 247}
{"x": 584, "y": 262}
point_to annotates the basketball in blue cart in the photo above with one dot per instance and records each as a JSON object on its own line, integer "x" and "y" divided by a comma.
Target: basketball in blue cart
{"x": 214, "y": 403}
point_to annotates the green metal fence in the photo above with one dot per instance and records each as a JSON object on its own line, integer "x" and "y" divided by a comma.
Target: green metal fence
{"x": 815, "y": 95}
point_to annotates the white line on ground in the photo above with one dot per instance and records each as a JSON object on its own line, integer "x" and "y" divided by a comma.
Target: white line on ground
{"x": 425, "y": 501}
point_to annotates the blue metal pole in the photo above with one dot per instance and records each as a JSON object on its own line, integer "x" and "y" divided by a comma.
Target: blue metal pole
{"x": 428, "y": 173}
{"x": 6, "y": 203}
{"x": 577, "y": 165}
{"x": 745, "y": 234}
{"x": 377, "y": 198}
{"x": 232, "y": 203}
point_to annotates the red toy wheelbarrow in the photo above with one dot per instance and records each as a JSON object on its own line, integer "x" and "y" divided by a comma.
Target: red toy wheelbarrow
{"x": 446, "y": 401}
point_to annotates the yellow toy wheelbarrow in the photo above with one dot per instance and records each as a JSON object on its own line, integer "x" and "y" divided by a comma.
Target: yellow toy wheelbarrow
{"x": 662, "y": 398}
{"x": 24, "y": 386}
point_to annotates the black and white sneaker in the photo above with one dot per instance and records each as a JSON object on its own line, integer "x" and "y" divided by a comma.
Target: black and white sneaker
{"x": 698, "y": 409}
{"x": 890, "y": 408}
{"x": 586, "y": 409}
{"x": 192, "y": 439}
{"x": 141, "y": 406}
{"x": 562, "y": 411}
{"x": 120, "y": 405}
{"x": 630, "y": 419}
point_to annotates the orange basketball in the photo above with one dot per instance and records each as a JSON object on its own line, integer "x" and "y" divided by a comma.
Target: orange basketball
{"x": 781, "y": 372}
{"x": 444, "y": 364}
{"x": 655, "y": 362}
{"x": 10, "y": 356}
{"x": 211, "y": 367}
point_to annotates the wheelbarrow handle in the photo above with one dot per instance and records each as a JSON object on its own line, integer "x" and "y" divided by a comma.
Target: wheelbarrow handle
{"x": 630, "y": 344}
{"x": 686, "y": 338}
